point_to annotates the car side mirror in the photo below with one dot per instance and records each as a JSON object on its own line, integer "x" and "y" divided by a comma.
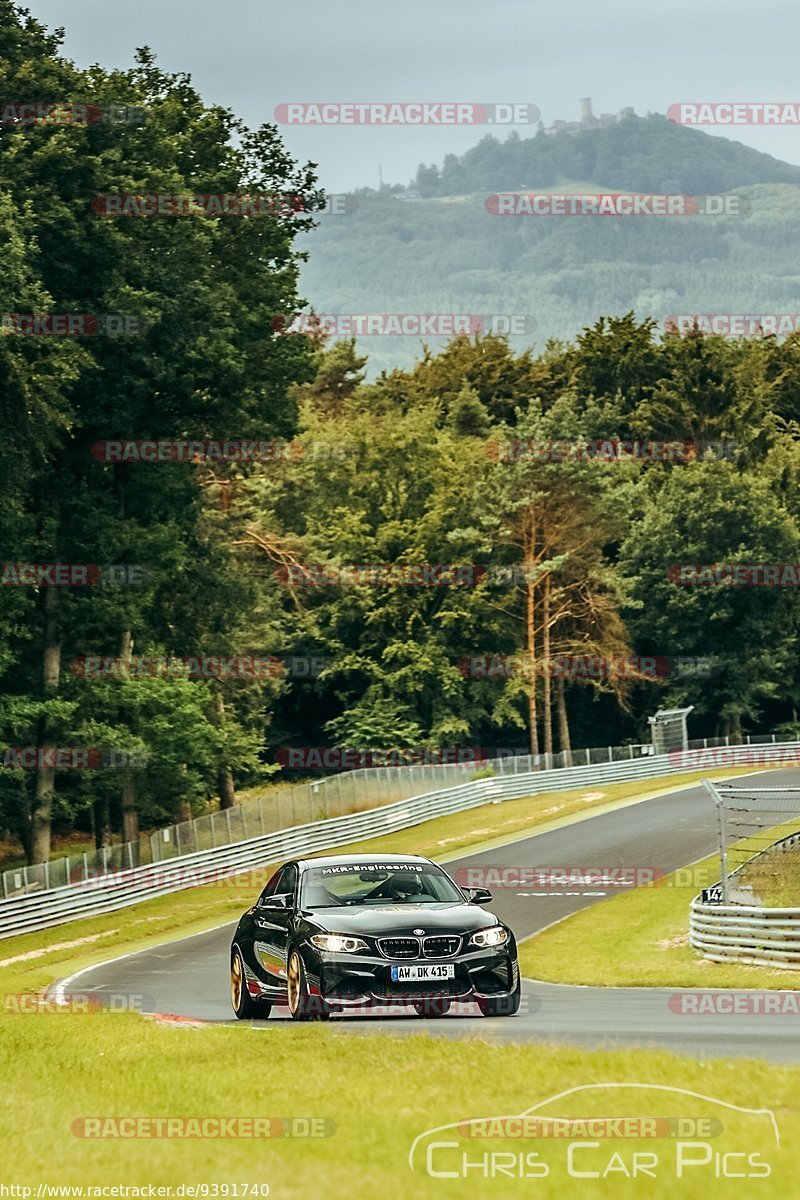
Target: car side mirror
{"x": 280, "y": 901}
{"x": 478, "y": 895}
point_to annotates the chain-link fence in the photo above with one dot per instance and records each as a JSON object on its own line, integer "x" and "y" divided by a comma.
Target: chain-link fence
{"x": 282, "y": 807}
{"x": 759, "y": 845}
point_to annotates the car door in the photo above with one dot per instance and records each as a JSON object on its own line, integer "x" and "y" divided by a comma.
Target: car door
{"x": 273, "y": 917}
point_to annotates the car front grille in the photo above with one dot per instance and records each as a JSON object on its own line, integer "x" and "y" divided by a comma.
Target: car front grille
{"x": 399, "y": 947}
{"x": 441, "y": 946}
{"x": 433, "y": 989}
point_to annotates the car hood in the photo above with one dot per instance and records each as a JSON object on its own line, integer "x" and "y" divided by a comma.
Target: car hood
{"x": 378, "y": 920}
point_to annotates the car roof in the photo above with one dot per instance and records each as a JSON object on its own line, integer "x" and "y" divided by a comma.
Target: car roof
{"x": 355, "y": 860}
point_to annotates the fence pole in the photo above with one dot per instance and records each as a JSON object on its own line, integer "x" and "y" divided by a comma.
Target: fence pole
{"x": 723, "y": 836}
{"x": 723, "y": 849}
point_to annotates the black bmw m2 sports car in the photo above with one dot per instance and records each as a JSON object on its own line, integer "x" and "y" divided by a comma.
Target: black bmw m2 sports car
{"x": 353, "y": 932}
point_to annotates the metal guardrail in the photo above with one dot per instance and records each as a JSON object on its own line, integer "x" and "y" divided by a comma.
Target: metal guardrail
{"x": 108, "y": 893}
{"x": 753, "y": 934}
{"x": 282, "y": 807}
{"x": 763, "y": 937}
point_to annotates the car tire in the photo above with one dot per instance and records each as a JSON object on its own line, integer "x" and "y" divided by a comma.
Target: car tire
{"x": 302, "y": 1005}
{"x": 432, "y": 1008}
{"x": 501, "y": 1006}
{"x": 245, "y": 1007}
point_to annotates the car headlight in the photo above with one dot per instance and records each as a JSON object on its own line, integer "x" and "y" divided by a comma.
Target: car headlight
{"x": 489, "y": 937}
{"x": 337, "y": 943}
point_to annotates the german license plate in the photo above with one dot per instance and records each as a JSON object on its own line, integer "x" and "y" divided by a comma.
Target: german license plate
{"x": 423, "y": 973}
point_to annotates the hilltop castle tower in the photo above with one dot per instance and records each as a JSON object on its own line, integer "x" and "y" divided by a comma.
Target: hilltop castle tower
{"x": 588, "y": 119}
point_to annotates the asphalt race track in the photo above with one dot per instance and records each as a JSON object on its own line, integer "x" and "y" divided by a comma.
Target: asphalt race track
{"x": 190, "y": 977}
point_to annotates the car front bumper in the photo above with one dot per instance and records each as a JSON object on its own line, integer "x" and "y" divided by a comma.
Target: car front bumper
{"x": 350, "y": 980}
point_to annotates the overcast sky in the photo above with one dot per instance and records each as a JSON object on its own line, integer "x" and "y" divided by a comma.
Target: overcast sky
{"x": 252, "y": 55}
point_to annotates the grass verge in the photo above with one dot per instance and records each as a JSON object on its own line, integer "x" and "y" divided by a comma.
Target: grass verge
{"x": 382, "y": 1093}
{"x": 31, "y": 962}
{"x": 641, "y": 939}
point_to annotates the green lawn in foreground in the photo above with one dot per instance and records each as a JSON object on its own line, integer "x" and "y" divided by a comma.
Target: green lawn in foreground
{"x": 641, "y": 939}
{"x": 55, "y": 953}
{"x": 382, "y": 1092}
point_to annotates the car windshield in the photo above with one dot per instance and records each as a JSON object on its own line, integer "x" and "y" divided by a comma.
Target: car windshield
{"x": 378, "y": 883}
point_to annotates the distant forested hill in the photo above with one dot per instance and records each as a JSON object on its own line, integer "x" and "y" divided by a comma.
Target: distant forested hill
{"x": 646, "y": 154}
{"x": 395, "y": 254}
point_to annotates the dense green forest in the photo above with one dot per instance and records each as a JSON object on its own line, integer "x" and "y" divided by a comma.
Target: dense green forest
{"x": 483, "y": 546}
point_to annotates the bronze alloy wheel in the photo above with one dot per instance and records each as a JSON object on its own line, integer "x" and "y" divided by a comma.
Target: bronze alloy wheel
{"x": 293, "y": 983}
{"x": 245, "y": 1007}
{"x": 237, "y": 981}
{"x": 302, "y": 1005}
